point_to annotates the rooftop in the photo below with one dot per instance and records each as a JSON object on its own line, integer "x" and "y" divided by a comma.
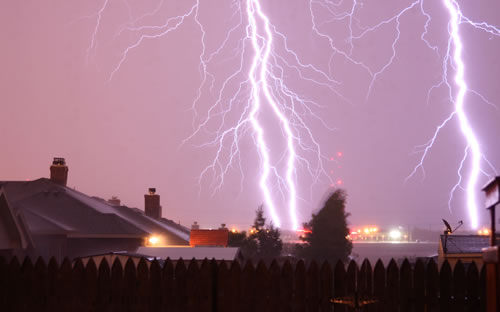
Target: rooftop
{"x": 51, "y": 208}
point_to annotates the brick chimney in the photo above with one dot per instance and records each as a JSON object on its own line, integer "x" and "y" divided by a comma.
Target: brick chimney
{"x": 59, "y": 171}
{"x": 114, "y": 201}
{"x": 152, "y": 204}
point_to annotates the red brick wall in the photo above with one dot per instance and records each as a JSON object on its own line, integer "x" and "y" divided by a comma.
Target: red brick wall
{"x": 209, "y": 237}
{"x": 59, "y": 174}
{"x": 152, "y": 206}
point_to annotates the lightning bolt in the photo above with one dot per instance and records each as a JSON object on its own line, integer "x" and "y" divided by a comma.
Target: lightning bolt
{"x": 452, "y": 58}
{"x": 257, "y": 92}
{"x": 472, "y": 152}
{"x": 267, "y": 88}
{"x": 93, "y": 41}
{"x": 262, "y": 57}
{"x": 262, "y": 91}
{"x": 470, "y": 137}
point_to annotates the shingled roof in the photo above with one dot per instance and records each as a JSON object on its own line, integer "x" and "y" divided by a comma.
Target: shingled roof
{"x": 51, "y": 208}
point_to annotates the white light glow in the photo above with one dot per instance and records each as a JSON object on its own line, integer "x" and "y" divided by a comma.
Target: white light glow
{"x": 395, "y": 234}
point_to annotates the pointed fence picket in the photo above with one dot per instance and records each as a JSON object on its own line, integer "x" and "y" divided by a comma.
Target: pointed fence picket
{"x": 405, "y": 286}
{"x": 29, "y": 285}
{"x": 458, "y": 288}
{"x": 472, "y": 288}
{"x": 275, "y": 287}
{"x": 379, "y": 287}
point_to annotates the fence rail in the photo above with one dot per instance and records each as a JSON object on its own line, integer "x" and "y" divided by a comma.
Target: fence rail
{"x": 214, "y": 286}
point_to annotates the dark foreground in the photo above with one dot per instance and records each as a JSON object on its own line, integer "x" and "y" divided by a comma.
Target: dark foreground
{"x": 213, "y": 286}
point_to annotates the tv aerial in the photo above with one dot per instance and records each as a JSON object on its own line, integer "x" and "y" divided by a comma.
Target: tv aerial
{"x": 449, "y": 230}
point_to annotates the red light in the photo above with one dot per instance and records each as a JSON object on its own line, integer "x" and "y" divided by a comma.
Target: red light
{"x": 332, "y": 159}
{"x": 339, "y": 154}
{"x": 339, "y": 181}
{"x": 304, "y": 231}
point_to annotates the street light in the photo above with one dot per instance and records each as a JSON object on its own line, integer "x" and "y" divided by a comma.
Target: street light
{"x": 153, "y": 240}
{"x": 492, "y": 192}
{"x": 395, "y": 234}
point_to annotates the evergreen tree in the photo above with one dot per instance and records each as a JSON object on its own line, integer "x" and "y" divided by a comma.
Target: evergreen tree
{"x": 267, "y": 238}
{"x": 328, "y": 237}
{"x": 260, "y": 222}
{"x": 247, "y": 246}
{"x": 236, "y": 239}
{"x": 263, "y": 241}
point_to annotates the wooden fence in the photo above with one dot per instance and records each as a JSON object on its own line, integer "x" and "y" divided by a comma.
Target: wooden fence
{"x": 213, "y": 286}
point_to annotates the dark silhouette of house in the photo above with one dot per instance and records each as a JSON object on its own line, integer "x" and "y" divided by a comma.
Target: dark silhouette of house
{"x": 46, "y": 218}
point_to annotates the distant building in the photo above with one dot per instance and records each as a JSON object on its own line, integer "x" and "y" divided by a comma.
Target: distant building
{"x": 466, "y": 248}
{"x": 46, "y": 218}
{"x": 209, "y": 238}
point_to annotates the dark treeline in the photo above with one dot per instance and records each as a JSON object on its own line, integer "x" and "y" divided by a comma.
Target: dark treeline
{"x": 219, "y": 286}
{"x": 324, "y": 237}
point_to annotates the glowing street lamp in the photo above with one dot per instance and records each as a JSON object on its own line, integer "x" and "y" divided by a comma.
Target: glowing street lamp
{"x": 395, "y": 234}
{"x": 153, "y": 240}
{"x": 484, "y": 232}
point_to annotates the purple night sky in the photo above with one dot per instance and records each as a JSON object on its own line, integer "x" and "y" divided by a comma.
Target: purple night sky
{"x": 122, "y": 135}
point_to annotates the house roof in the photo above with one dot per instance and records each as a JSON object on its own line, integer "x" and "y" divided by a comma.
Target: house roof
{"x": 13, "y": 230}
{"x": 464, "y": 244}
{"x": 111, "y": 257}
{"x": 51, "y": 208}
{"x": 188, "y": 253}
{"x": 141, "y": 220}
{"x": 58, "y": 211}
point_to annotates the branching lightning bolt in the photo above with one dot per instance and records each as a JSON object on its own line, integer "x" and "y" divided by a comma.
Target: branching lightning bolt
{"x": 259, "y": 85}
{"x": 453, "y": 58}
{"x": 263, "y": 90}
{"x": 267, "y": 87}
{"x": 467, "y": 131}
